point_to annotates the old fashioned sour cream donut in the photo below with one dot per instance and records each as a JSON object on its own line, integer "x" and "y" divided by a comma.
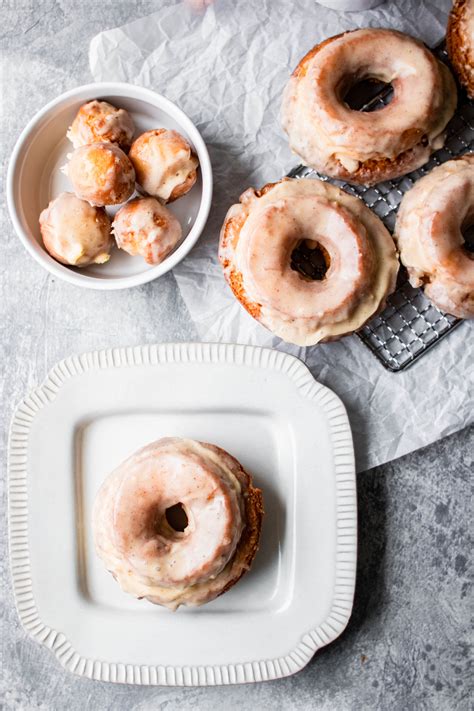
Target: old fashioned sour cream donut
{"x": 100, "y": 122}
{"x": 165, "y": 164}
{"x": 430, "y": 223}
{"x": 460, "y": 42}
{"x": 187, "y": 564}
{"x": 368, "y": 147}
{"x": 76, "y": 233}
{"x": 260, "y": 235}
{"x": 147, "y": 228}
{"x": 101, "y": 173}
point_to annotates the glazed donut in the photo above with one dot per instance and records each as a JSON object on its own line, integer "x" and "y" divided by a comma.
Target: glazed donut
{"x": 74, "y": 232}
{"x": 260, "y": 235}
{"x": 144, "y": 226}
{"x": 368, "y": 147}
{"x": 428, "y": 231}
{"x": 165, "y": 164}
{"x": 101, "y": 173}
{"x": 100, "y": 122}
{"x": 460, "y": 42}
{"x": 172, "y": 565}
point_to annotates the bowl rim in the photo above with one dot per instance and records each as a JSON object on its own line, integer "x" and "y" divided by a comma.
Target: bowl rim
{"x": 89, "y": 92}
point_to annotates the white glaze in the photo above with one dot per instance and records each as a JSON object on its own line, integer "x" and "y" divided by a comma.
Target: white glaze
{"x": 146, "y": 227}
{"x": 428, "y": 232}
{"x": 363, "y": 259}
{"x": 326, "y": 133}
{"x": 74, "y": 232}
{"x": 163, "y": 161}
{"x": 101, "y": 173}
{"x": 99, "y": 121}
{"x": 152, "y": 560}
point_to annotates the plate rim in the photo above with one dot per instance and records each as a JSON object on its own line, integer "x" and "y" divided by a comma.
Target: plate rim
{"x": 346, "y": 514}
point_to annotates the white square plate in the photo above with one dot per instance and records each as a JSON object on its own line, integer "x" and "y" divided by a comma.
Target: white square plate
{"x": 266, "y": 409}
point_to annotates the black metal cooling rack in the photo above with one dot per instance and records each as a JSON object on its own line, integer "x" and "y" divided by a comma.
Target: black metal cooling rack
{"x": 410, "y": 324}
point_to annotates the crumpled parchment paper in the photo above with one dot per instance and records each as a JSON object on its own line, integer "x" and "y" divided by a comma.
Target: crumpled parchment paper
{"x": 226, "y": 68}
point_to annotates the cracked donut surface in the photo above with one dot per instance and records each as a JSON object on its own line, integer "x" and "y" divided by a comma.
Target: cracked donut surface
{"x": 101, "y": 173}
{"x": 368, "y": 147}
{"x": 259, "y": 236}
{"x": 165, "y": 164}
{"x": 145, "y": 227}
{"x": 429, "y": 234}
{"x": 146, "y": 555}
{"x": 100, "y": 122}
{"x": 460, "y": 43}
{"x": 75, "y": 232}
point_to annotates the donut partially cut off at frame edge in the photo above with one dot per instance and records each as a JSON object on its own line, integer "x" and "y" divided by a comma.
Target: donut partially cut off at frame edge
{"x": 429, "y": 232}
{"x": 460, "y": 43}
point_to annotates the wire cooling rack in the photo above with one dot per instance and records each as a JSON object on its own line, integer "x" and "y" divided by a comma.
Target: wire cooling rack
{"x": 410, "y": 324}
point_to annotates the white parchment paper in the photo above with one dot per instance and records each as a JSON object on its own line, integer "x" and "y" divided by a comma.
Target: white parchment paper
{"x": 226, "y": 68}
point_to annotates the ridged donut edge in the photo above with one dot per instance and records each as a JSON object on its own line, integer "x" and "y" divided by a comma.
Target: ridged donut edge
{"x": 461, "y": 54}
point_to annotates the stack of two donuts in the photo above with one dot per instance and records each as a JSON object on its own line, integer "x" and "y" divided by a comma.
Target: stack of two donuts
{"x": 178, "y": 522}
{"x": 355, "y": 255}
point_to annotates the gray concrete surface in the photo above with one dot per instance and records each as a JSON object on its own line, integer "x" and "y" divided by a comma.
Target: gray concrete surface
{"x": 407, "y": 644}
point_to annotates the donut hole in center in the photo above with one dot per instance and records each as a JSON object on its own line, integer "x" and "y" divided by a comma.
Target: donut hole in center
{"x": 176, "y": 517}
{"x": 310, "y": 260}
{"x": 367, "y": 94}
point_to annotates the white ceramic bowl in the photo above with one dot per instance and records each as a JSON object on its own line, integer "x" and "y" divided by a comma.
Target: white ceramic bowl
{"x": 34, "y": 178}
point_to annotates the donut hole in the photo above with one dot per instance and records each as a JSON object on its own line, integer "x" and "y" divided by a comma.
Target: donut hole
{"x": 310, "y": 260}
{"x": 361, "y": 94}
{"x": 177, "y": 517}
{"x": 467, "y": 232}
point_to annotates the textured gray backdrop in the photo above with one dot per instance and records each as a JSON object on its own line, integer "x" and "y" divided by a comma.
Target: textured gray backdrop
{"x": 407, "y": 644}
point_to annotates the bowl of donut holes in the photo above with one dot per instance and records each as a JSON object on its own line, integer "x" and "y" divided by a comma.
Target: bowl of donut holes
{"x": 109, "y": 186}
